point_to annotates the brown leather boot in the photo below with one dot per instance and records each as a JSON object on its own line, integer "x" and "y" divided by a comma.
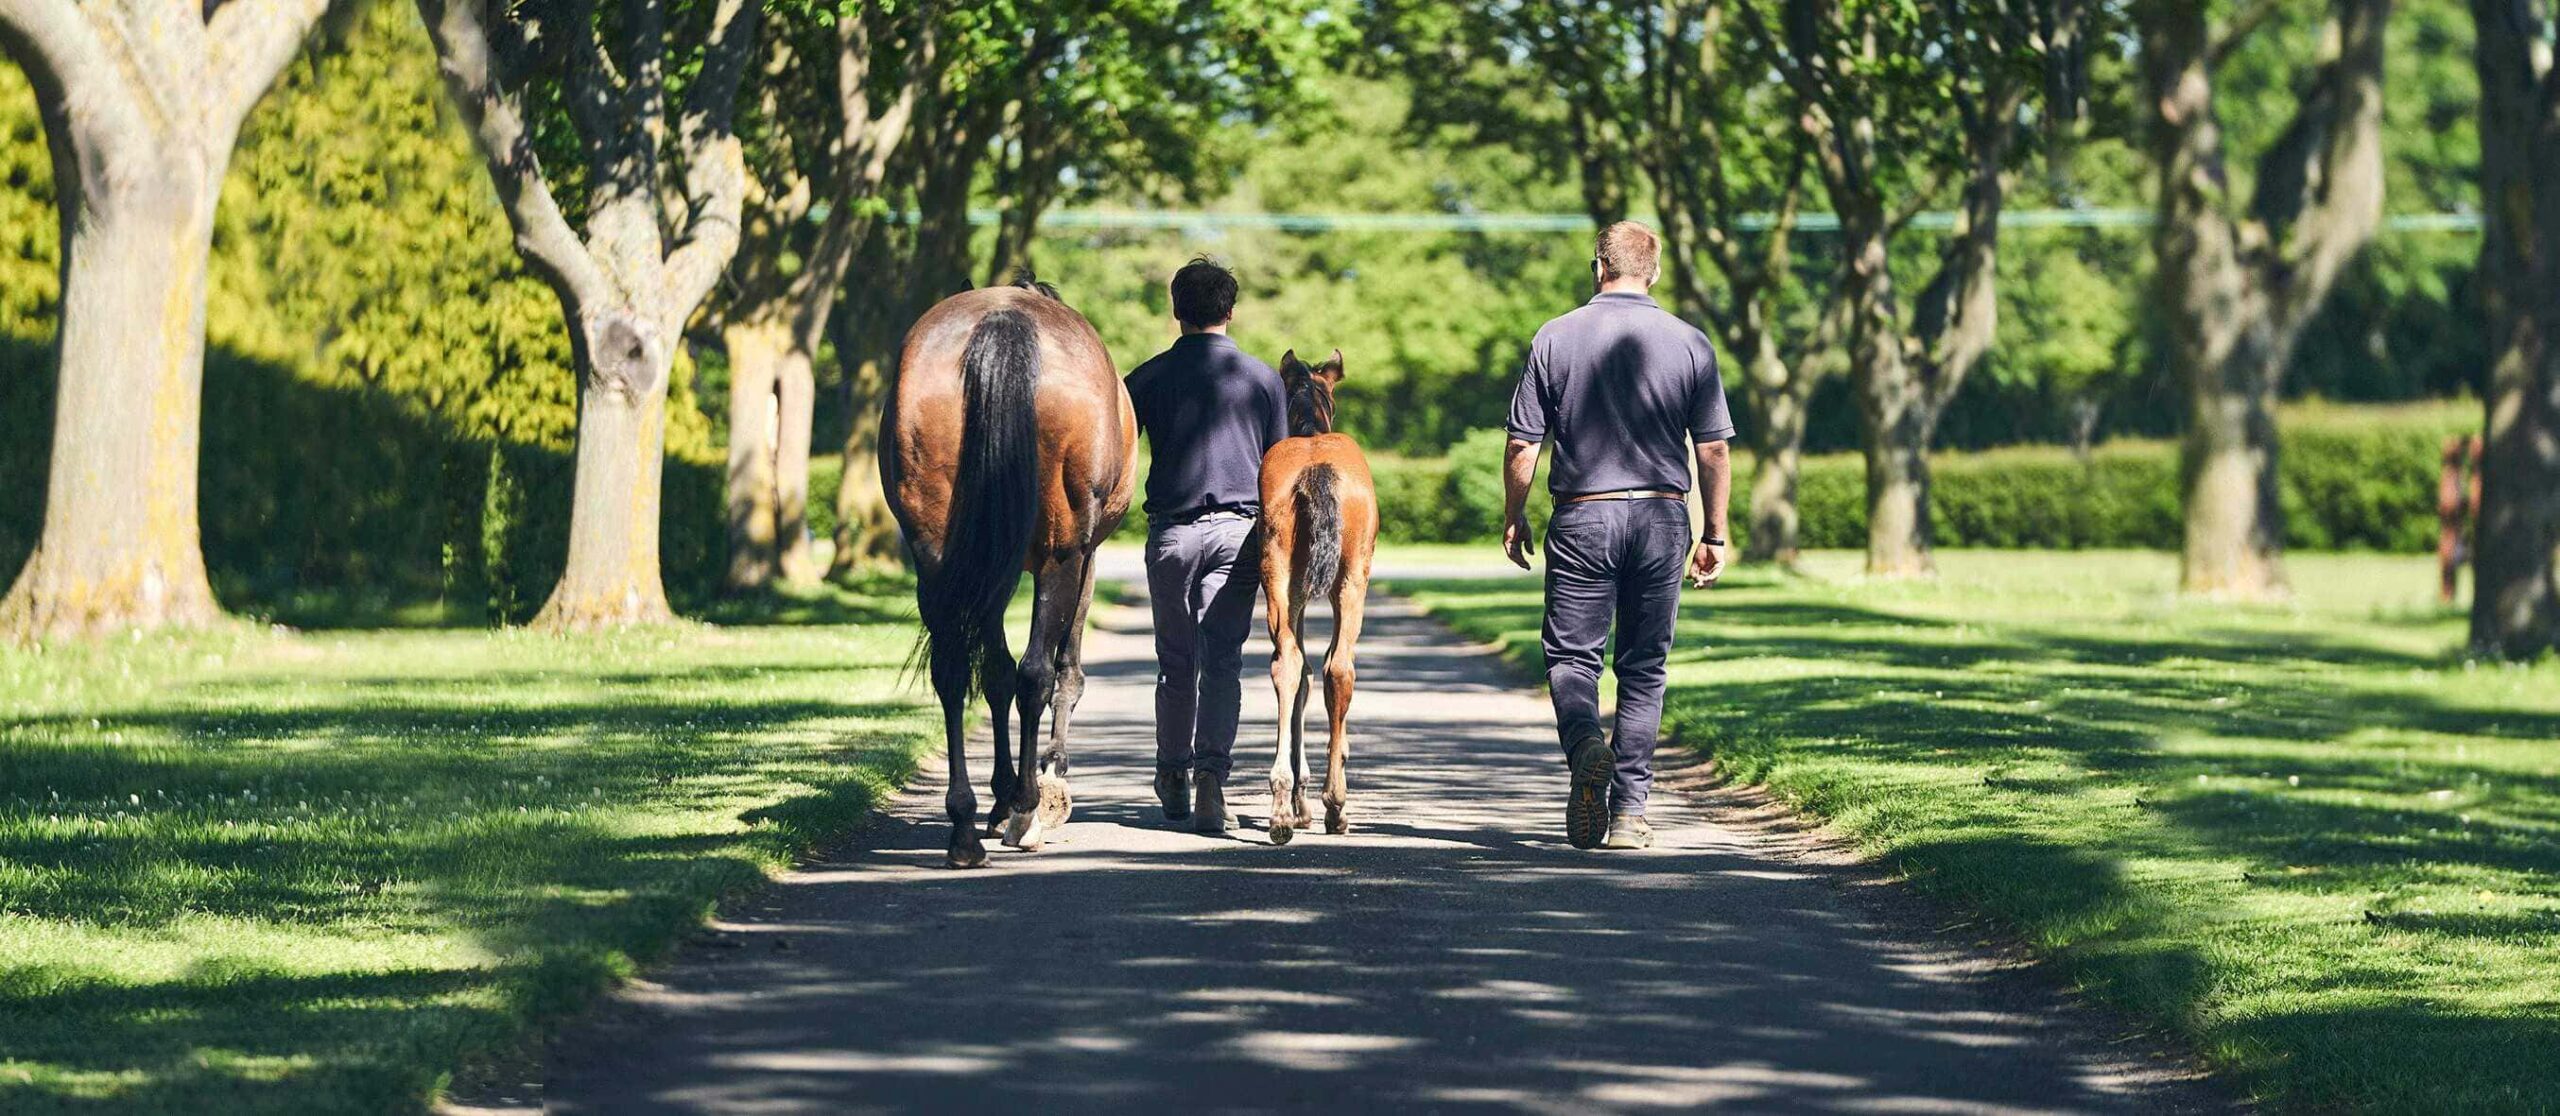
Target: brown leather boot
{"x": 1209, "y": 804}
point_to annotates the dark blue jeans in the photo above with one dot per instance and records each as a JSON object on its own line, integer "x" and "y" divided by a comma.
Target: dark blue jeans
{"x": 1202, "y": 578}
{"x": 1614, "y": 563}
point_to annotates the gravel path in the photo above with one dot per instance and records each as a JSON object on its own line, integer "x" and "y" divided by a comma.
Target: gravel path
{"x": 1450, "y": 954}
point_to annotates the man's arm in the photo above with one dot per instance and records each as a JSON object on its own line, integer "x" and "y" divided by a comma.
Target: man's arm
{"x": 1715, "y": 490}
{"x": 1519, "y": 468}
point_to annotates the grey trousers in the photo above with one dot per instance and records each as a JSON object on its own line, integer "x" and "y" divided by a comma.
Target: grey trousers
{"x": 1614, "y": 562}
{"x": 1202, "y": 578}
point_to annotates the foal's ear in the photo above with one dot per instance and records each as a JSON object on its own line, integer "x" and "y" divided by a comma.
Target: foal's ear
{"x": 1331, "y": 370}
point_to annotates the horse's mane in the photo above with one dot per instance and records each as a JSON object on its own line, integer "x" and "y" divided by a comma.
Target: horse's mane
{"x": 1023, "y": 278}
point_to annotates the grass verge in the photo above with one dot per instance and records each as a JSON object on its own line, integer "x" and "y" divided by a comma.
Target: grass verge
{"x": 248, "y": 870}
{"x": 2311, "y": 839}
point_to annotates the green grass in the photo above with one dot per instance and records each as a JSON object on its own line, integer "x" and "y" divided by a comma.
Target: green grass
{"x": 2310, "y": 839}
{"x": 249, "y": 870}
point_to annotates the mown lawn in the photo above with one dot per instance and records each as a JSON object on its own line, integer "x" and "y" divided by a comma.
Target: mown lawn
{"x": 249, "y": 870}
{"x": 2311, "y": 839}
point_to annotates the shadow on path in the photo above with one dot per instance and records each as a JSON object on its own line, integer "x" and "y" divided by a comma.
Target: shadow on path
{"x": 1450, "y": 954}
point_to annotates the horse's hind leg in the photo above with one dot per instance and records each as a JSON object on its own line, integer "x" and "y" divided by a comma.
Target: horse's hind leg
{"x": 950, "y": 668}
{"x": 1062, "y": 708}
{"x": 1350, "y": 597}
{"x": 1041, "y": 804}
{"x": 1288, "y": 683}
{"x": 996, "y": 680}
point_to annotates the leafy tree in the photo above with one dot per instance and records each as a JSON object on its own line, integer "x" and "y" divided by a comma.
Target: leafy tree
{"x": 2235, "y": 289}
{"x": 142, "y": 101}
{"x": 646, "y": 97}
{"x": 1895, "y": 98}
{"x": 2515, "y": 607}
{"x": 818, "y": 154}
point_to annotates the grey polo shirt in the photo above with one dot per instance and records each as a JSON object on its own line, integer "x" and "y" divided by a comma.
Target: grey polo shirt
{"x": 1622, "y": 392}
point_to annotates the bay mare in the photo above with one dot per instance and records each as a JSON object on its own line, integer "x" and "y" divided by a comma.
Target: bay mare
{"x": 1008, "y": 446}
{"x": 1319, "y": 530}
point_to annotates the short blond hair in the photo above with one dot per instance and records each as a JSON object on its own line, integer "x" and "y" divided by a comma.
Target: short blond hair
{"x": 1628, "y": 250}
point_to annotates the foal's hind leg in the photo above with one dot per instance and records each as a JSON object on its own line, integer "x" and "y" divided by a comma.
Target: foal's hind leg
{"x": 1350, "y": 597}
{"x": 1040, "y": 804}
{"x": 1288, "y": 683}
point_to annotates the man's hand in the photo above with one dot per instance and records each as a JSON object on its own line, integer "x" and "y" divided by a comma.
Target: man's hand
{"x": 1706, "y": 564}
{"x": 1516, "y": 543}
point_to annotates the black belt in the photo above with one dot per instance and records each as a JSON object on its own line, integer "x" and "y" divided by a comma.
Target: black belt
{"x": 1625, "y": 494}
{"x": 1195, "y": 515}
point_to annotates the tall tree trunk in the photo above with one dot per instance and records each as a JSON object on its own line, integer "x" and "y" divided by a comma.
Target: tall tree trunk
{"x": 2237, "y": 290}
{"x": 1894, "y": 413}
{"x": 2515, "y": 604}
{"x": 612, "y": 576}
{"x": 756, "y": 357}
{"x": 795, "y": 408}
{"x": 121, "y": 545}
{"x": 1778, "y": 443}
{"x": 141, "y": 101}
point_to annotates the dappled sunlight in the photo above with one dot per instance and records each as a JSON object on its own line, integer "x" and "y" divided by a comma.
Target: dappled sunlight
{"x": 2295, "y": 830}
{"x": 1449, "y": 952}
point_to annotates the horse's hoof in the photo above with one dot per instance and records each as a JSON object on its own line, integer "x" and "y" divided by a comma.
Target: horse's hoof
{"x": 1056, "y": 801}
{"x": 996, "y": 820}
{"x": 1334, "y": 822}
{"x": 966, "y": 851}
{"x": 1024, "y": 831}
{"x": 1281, "y": 832}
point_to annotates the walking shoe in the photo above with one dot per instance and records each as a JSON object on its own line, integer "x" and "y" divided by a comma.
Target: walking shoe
{"x": 1586, "y": 808}
{"x": 1629, "y": 831}
{"x": 1209, "y": 805}
{"x": 1173, "y": 789}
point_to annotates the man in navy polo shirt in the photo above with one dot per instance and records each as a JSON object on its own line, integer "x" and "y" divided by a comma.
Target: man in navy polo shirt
{"x": 1209, "y": 412}
{"x": 1625, "y": 395}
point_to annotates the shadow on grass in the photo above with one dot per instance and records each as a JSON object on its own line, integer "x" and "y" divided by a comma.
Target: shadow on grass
{"x": 372, "y": 847}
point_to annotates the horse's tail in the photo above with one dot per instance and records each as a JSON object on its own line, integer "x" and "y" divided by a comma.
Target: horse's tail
{"x": 1320, "y": 524}
{"x": 994, "y": 500}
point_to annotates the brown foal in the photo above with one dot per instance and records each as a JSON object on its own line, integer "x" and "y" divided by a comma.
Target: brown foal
{"x": 1319, "y": 529}
{"x": 1008, "y": 447}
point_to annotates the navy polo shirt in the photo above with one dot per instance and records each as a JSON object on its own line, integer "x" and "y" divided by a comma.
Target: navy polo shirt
{"x": 1210, "y": 411}
{"x": 1622, "y": 392}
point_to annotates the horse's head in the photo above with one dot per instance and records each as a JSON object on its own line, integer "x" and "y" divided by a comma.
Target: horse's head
{"x": 1310, "y": 392}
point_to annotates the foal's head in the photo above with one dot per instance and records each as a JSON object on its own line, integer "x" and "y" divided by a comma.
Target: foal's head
{"x": 1310, "y": 392}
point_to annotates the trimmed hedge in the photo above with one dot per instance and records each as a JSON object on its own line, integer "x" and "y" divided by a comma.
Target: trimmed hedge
{"x": 2355, "y": 478}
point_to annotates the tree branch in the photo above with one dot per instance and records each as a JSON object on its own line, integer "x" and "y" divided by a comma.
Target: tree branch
{"x": 62, "y": 54}
{"x": 492, "y": 107}
{"x": 2319, "y": 192}
{"x": 715, "y": 167}
{"x": 2236, "y": 33}
{"x": 248, "y": 43}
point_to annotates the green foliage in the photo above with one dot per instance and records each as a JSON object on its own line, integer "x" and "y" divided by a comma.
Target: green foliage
{"x": 2312, "y": 842}
{"x": 2355, "y": 478}
{"x": 257, "y": 872}
{"x": 374, "y": 350}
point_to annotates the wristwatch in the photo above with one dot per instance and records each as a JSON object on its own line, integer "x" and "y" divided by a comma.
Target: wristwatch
{"x": 1712, "y": 540}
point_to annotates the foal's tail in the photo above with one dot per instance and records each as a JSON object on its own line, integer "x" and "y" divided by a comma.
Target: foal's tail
{"x": 1320, "y": 525}
{"x": 994, "y": 500}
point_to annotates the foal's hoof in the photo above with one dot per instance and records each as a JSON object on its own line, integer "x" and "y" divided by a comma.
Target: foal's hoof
{"x": 1056, "y": 801}
{"x": 966, "y": 851}
{"x": 1281, "y": 830}
{"x": 1334, "y": 822}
